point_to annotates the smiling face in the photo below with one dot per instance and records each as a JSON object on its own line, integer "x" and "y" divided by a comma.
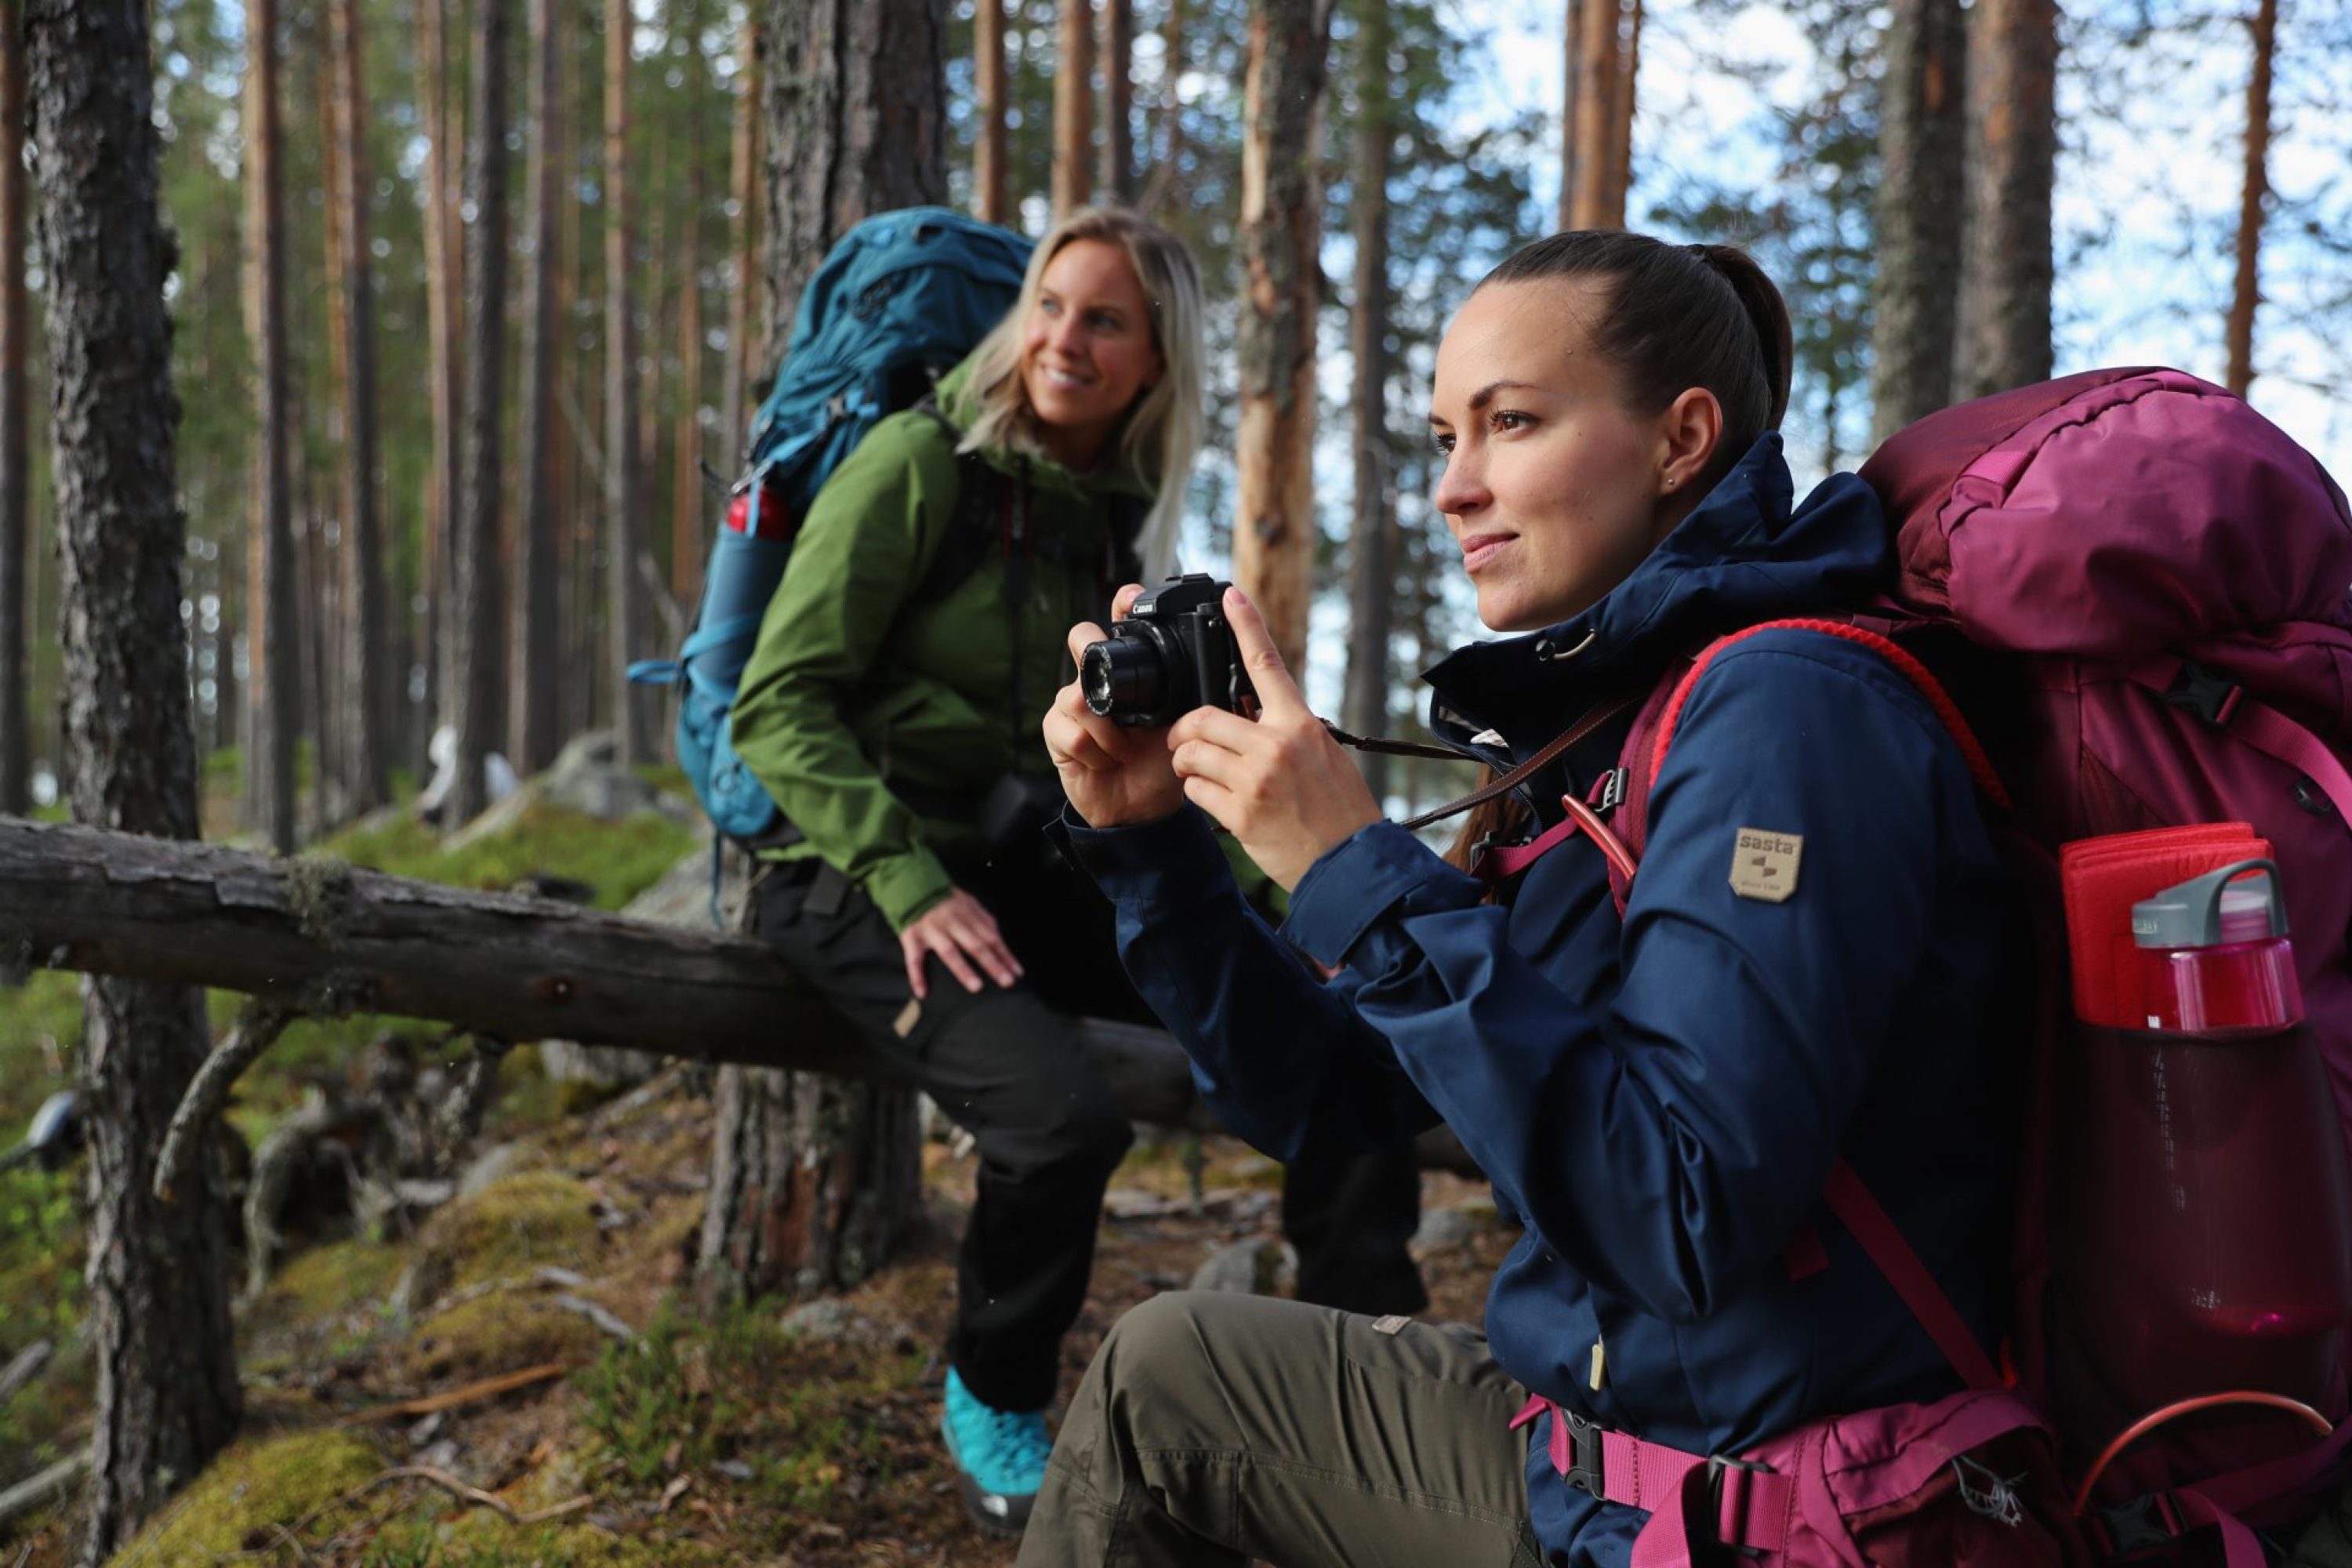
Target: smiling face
{"x": 1086, "y": 352}
{"x": 1553, "y": 489}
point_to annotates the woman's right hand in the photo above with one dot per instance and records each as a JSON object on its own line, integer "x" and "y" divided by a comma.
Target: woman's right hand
{"x": 1115, "y": 776}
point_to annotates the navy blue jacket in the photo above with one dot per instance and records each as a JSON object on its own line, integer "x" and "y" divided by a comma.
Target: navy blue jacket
{"x": 1660, "y": 1097}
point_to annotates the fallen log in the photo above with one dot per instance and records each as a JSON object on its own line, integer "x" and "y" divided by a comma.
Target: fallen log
{"x": 316, "y": 935}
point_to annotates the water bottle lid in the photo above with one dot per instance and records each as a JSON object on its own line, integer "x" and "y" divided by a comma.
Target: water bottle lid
{"x": 2238, "y": 902}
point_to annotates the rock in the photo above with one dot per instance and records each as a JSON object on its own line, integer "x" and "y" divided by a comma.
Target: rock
{"x": 1257, "y": 1266}
{"x": 608, "y": 793}
{"x": 1442, "y": 1230}
{"x": 493, "y": 1164}
{"x": 826, "y": 1320}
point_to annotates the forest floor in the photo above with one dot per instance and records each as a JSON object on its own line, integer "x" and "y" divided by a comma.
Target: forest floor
{"x": 640, "y": 1427}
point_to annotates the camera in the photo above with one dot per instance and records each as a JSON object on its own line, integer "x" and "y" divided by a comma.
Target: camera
{"x": 1173, "y": 653}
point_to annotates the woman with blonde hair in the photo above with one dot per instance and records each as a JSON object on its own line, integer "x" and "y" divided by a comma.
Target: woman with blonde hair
{"x": 891, "y": 707}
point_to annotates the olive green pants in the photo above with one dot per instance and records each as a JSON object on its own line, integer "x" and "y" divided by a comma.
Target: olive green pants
{"x": 1213, "y": 1430}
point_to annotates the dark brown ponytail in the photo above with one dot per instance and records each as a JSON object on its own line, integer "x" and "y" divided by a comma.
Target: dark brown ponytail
{"x": 1678, "y": 316}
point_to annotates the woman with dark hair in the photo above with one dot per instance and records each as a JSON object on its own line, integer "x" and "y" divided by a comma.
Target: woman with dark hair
{"x": 1660, "y": 1094}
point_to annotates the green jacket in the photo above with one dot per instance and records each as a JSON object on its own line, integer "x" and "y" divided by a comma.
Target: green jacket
{"x": 855, "y": 685}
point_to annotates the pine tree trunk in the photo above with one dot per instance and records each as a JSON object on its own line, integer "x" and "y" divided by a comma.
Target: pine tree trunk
{"x": 624, "y": 602}
{"x": 814, "y": 1181}
{"x": 167, "y": 1398}
{"x": 1116, "y": 178}
{"x": 1074, "y": 109}
{"x": 480, "y": 603}
{"x": 2247, "y": 291}
{"x": 2011, "y": 157}
{"x": 1371, "y": 572}
{"x": 1922, "y": 126}
{"x": 1572, "y": 81}
{"x": 1621, "y": 123}
{"x": 271, "y": 609}
{"x": 16, "y": 461}
{"x": 1161, "y": 185}
{"x": 989, "y": 180}
{"x": 686, "y": 439}
{"x": 441, "y": 330}
{"x": 368, "y": 697}
{"x": 743, "y": 184}
{"x": 1597, "y": 202}
{"x": 535, "y": 663}
{"x": 1274, "y": 530}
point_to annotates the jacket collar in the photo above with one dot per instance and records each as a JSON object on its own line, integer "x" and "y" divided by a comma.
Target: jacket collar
{"x": 959, "y": 401}
{"x": 1744, "y": 554}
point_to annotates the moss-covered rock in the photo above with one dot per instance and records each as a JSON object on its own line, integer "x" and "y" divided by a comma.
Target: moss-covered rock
{"x": 335, "y": 1278}
{"x": 506, "y": 1230}
{"x": 503, "y": 1332}
{"x": 295, "y": 1482}
{"x": 483, "y": 1540}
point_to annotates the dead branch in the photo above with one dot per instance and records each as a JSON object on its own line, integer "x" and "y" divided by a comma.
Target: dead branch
{"x": 258, "y": 1024}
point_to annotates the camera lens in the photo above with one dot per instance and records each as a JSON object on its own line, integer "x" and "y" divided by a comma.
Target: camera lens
{"x": 1121, "y": 676}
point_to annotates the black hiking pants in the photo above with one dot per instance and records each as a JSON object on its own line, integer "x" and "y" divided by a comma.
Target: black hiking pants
{"x": 1006, "y": 1066}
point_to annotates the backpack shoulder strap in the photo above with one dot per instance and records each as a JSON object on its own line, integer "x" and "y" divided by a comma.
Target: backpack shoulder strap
{"x": 973, "y": 528}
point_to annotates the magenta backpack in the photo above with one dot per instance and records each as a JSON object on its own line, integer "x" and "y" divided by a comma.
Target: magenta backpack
{"x": 2165, "y": 579}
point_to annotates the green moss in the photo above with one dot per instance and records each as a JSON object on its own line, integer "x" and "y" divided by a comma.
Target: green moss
{"x": 482, "y": 1540}
{"x": 512, "y": 1226}
{"x": 619, "y": 860}
{"x": 335, "y": 1278}
{"x": 500, "y": 1332}
{"x": 291, "y": 1483}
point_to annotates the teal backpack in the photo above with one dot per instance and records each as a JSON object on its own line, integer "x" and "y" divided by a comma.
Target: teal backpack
{"x": 900, "y": 300}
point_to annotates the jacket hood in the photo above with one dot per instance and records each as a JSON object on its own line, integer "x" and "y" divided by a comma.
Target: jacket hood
{"x": 958, "y": 399}
{"x": 1744, "y": 554}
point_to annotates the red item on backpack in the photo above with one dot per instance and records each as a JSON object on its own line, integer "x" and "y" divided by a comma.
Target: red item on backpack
{"x": 2103, "y": 878}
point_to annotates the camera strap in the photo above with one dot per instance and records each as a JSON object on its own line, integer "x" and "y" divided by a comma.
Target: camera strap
{"x": 1599, "y": 714}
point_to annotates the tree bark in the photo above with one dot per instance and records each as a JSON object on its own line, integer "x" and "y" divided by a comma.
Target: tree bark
{"x": 1171, "y": 136}
{"x": 441, "y": 330}
{"x": 623, "y": 600}
{"x": 366, "y": 618}
{"x": 989, "y": 181}
{"x": 1074, "y": 109}
{"x": 1282, "y": 231}
{"x": 1922, "y": 127}
{"x": 1116, "y": 178}
{"x": 812, "y": 1182}
{"x": 743, "y": 185}
{"x": 2011, "y": 157}
{"x": 15, "y": 463}
{"x": 1599, "y": 200}
{"x": 2246, "y": 294}
{"x": 167, "y": 1398}
{"x": 686, "y": 441}
{"x": 270, "y": 611}
{"x": 535, "y": 662}
{"x": 480, "y": 605}
{"x": 1371, "y": 575}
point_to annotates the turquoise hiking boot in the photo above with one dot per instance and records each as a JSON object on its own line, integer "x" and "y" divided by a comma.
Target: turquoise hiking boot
{"x": 999, "y": 1458}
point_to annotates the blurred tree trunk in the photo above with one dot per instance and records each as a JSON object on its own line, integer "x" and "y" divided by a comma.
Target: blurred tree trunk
{"x": 367, "y": 672}
{"x": 622, "y": 602}
{"x": 1282, "y": 203}
{"x": 441, "y": 331}
{"x": 2012, "y": 158}
{"x": 1922, "y": 127}
{"x": 1571, "y": 84}
{"x": 1115, "y": 180}
{"x": 1371, "y": 572}
{"x": 535, "y": 663}
{"x": 744, "y": 187}
{"x": 1605, "y": 108}
{"x": 15, "y": 462}
{"x": 814, "y": 1182}
{"x": 167, "y": 1398}
{"x": 989, "y": 181}
{"x": 2247, "y": 291}
{"x": 271, "y": 629}
{"x": 1161, "y": 184}
{"x": 686, "y": 441}
{"x": 1620, "y": 126}
{"x": 480, "y": 606}
{"x": 1074, "y": 109}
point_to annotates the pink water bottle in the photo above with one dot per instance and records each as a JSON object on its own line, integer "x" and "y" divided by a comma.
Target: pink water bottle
{"x": 2206, "y": 1237}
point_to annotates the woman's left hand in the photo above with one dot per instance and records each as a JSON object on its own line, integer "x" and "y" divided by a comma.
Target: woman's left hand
{"x": 1279, "y": 784}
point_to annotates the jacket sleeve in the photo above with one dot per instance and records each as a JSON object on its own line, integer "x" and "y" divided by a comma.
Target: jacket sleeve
{"x": 1278, "y": 1053}
{"x": 1668, "y": 1144}
{"x": 863, "y": 547}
